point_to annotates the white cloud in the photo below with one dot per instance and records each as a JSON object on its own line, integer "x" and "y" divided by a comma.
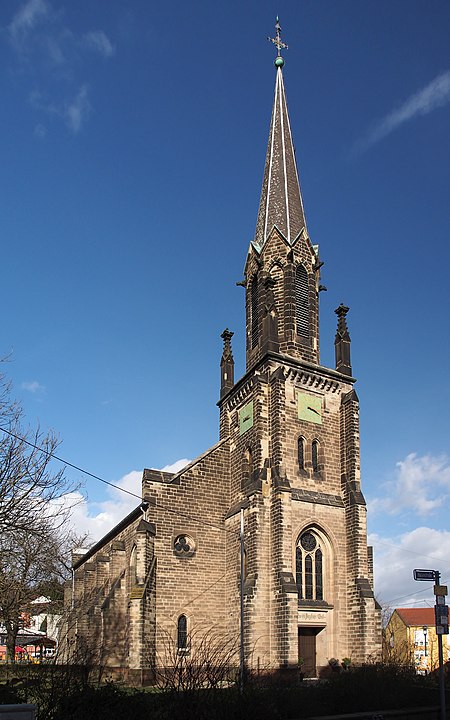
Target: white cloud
{"x": 97, "y": 40}
{"x": 26, "y": 19}
{"x": 395, "y": 559}
{"x": 421, "y": 485}
{"x": 434, "y": 95}
{"x": 77, "y": 110}
{"x": 33, "y": 387}
{"x": 176, "y": 466}
{"x": 97, "y": 518}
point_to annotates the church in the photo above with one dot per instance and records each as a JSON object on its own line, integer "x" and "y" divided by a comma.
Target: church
{"x": 287, "y": 462}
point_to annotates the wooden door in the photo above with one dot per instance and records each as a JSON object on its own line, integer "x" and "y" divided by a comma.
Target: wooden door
{"x": 307, "y": 650}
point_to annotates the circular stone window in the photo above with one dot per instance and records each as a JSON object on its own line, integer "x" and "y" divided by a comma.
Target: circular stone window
{"x": 184, "y": 546}
{"x": 308, "y": 542}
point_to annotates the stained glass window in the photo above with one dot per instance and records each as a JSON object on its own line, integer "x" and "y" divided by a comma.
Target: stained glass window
{"x": 309, "y": 566}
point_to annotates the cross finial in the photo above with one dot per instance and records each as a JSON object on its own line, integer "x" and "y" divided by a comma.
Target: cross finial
{"x": 277, "y": 40}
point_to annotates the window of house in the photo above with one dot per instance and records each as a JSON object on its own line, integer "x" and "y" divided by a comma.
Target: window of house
{"x": 301, "y": 301}
{"x": 309, "y": 566}
{"x": 182, "y": 633}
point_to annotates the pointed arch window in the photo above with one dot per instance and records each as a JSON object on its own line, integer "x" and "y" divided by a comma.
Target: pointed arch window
{"x": 247, "y": 467}
{"x": 182, "y": 633}
{"x": 315, "y": 455}
{"x": 301, "y": 301}
{"x": 309, "y": 566}
{"x": 301, "y": 453}
{"x": 254, "y": 311}
{"x": 133, "y": 566}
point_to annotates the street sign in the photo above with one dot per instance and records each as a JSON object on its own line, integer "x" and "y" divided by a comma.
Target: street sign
{"x": 440, "y": 590}
{"x": 425, "y": 575}
{"x": 441, "y": 617}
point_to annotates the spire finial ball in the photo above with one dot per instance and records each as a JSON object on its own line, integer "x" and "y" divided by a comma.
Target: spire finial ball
{"x": 279, "y": 62}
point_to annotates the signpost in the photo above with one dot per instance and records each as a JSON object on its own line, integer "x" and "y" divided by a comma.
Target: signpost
{"x": 425, "y": 575}
{"x": 441, "y": 620}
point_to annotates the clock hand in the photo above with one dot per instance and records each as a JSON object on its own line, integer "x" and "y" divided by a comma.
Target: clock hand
{"x": 313, "y": 410}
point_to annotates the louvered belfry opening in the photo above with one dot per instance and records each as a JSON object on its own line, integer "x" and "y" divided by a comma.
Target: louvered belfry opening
{"x": 315, "y": 455}
{"x": 301, "y": 301}
{"x": 254, "y": 311}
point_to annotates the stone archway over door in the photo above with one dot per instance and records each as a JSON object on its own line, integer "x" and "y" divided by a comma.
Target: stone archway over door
{"x": 307, "y": 649}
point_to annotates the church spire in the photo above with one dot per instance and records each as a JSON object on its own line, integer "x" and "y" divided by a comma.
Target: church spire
{"x": 281, "y": 201}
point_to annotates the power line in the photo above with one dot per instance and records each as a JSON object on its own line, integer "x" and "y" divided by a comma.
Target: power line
{"x": 66, "y": 462}
{"x": 117, "y": 487}
{"x": 411, "y": 552}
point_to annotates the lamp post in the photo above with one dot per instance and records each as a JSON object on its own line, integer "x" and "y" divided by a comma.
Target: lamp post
{"x": 425, "y": 631}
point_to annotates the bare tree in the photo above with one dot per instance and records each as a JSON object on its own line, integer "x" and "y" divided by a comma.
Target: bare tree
{"x": 209, "y": 660}
{"x": 34, "y": 511}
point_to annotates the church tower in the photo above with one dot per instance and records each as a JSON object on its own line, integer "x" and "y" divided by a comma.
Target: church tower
{"x": 168, "y": 575}
{"x": 293, "y": 427}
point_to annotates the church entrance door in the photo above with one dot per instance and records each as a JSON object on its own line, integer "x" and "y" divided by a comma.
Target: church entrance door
{"x": 307, "y": 649}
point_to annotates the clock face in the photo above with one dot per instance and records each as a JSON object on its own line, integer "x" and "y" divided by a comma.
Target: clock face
{"x": 246, "y": 418}
{"x": 309, "y": 408}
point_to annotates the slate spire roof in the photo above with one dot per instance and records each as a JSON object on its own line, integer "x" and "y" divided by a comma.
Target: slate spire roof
{"x": 281, "y": 201}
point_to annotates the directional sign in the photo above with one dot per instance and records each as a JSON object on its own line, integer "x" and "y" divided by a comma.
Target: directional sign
{"x": 441, "y": 617}
{"x": 441, "y": 613}
{"x": 426, "y": 575}
{"x": 440, "y": 590}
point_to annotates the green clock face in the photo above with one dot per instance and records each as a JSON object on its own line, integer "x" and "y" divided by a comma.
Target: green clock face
{"x": 309, "y": 408}
{"x": 246, "y": 418}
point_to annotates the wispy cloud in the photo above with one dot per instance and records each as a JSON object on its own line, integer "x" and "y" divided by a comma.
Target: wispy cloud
{"x": 74, "y": 111}
{"x": 33, "y": 386}
{"x": 26, "y": 19}
{"x": 78, "y": 110}
{"x": 97, "y": 40}
{"x": 57, "y": 61}
{"x": 434, "y": 95}
{"x": 421, "y": 485}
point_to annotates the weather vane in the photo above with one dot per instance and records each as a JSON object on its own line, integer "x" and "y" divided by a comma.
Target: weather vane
{"x": 277, "y": 40}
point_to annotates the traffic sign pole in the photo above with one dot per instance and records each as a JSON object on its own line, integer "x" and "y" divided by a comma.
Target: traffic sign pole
{"x": 441, "y": 621}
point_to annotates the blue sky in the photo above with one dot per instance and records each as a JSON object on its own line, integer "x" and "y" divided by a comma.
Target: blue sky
{"x": 133, "y": 140}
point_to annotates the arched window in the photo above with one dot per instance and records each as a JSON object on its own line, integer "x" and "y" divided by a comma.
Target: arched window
{"x": 182, "y": 633}
{"x": 315, "y": 455}
{"x": 301, "y": 301}
{"x": 254, "y": 311}
{"x": 133, "y": 566}
{"x": 309, "y": 566}
{"x": 247, "y": 467}
{"x": 301, "y": 453}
